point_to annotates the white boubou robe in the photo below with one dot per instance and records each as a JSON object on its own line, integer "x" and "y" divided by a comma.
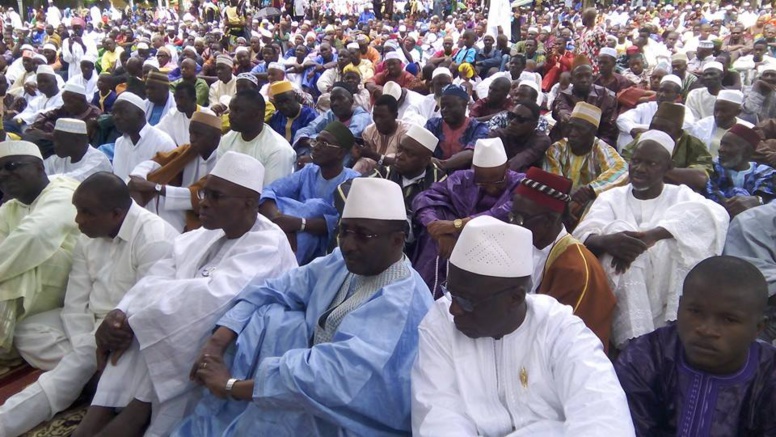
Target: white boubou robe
{"x": 648, "y": 292}
{"x": 550, "y": 377}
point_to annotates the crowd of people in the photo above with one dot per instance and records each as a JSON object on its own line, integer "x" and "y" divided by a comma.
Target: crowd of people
{"x": 432, "y": 218}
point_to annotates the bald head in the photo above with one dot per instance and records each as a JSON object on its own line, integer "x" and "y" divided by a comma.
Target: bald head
{"x": 728, "y": 275}
{"x": 107, "y": 189}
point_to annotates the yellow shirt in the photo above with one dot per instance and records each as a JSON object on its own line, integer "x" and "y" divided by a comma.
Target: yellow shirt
{"x": 109, "y": 59}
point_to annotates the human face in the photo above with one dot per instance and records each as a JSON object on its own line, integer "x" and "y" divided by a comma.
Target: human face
{"x": 28, "y": 64}
{"x": 368, "y": 246}
{"x": 636, "y": 66}
{"x": 93, "y": 219}
{"x": 300, "y": 52}
{"x": 343, "y": 58}
{"x": 492, "y": 180}
{"x": 453, "y": 110}
{"x": 759, "y": 51}
{"x": 491, "y": 301}
{"x": 521, "y": 121}
{"x": 203, "y": 138}
{"x": 157, "y": 93}
{"x": 18, "y": 174}
{"x": 582, "y": 79}
{"x": 243, "y": 59}
{"x": 127, "y": 118}
{"x": 242, "y": 115}
{"x": 499, "y": 90}
{"x": 163, "y": 58}
{"x": 47, "y": 84}
{"x": 667, "y": 92}
{"x": 606, "y": 64}
{"x": 649, "y": 164}
{"x": 325, "y": 51}
{"x": 287, "y": 104}
{"x": 352, "y": 78}
{"x": 326, "y": 151}
{"x": 488, "y": 42}
{"x": 671, "y": 39}
{"x": 223, "y": 203}
{"x": 516, "y": 66}
{"x": 725, "y": 113}
{"x": 530, "y": 47}
{"x": 411, "y": 157}
{"x": 524, "y": 92}
{"x": 734, "y": 152}
{"x": 528, "y": 214}
{"x": 87, "y": 69}
{"x": 679, "y": 68}
{"x": 73, "y": 103}
{"x": 716, "y": 327}
{"x": 185, "y": 103}
{"x": 384, "y": 119}
{"x": 769, "y": 77}
{"x": 712, "y": 78}
{"x": 341, "y": 103}
{"x": 672, "y": 127}
{"x": 78, "y": 30}
{"x": 224, "y": 73}
{"x": 188, "y": 69}
{"x": 109, "y": 44}
{"x": 580, "y": 135}
{"x": 394, "y": 67}
{"x": 447, "y": 44}
{"x": 256, "y": 44}
{"x": 655, "y": 78}
{"x": 439, "y": 83}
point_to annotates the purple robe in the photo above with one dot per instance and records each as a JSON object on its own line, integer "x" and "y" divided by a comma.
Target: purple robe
{"x": 455, "y": 197}
{"x": 669, "y": 398}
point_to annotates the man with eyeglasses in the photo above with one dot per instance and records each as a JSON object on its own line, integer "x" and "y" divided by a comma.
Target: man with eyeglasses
{"x": 524, "y": 144}
{"x": 37, "y": 236}
{"x": 146, "y": 345}
{"x": 444, "y": 209}
{"x": 496, "y": 360}
{"x": 327, "y": 348}
{"x": 563, "y": 267}
{"x": 302, "y": 204}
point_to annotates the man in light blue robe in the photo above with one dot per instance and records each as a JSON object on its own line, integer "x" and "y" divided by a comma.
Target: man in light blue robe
{"x": 329, "y": 346}
{"x": 302, "y": 204}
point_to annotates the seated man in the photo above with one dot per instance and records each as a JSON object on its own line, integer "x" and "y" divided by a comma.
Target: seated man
{"x": 750, "y": 237}
{"x": 711, "y": 129}
{"x": 393, "y": 71}
{"x": 176, "y": 122}
{"x": 760, "y": 100}
{"x": 290, "y": 115}
{"x": 700, "y": 101}
{"x": 445, "y": 208}
{"x": 455, "y": 130}
{"x": 738, "y": 183}
{"x": 493, "y": 360}
{"x": 706, "y": 374}
{"x": 691, "y": 159}
{"x": 592, "y": 165}
{"x": 73, "y": 156}
{"x": 563, "y": 267}
{"x": 352, "y": 316}
{"x": 119, "y": 244}
{"x": 50, "y": 98}
{"x": 188, "y": 69}
{"x": 524, "y": 143}
{"x": 147, "y": 344}
{"x": 252, "y": 137}
{"x": 648, "y": 235}
{"x": 410, "y": 103}
{"x": 159, "y": 98}
{"x": 139, "y": 140}
{"x": 302, "y": 204}
{"x": 637, "y": 120}
{"x": 497, "y": 100}
{"x": 342, "y": 109}
{"x": 381, "y": 138}
{"x": 169, "y": 183}
{"x": 37, "y": 236}
{"x": 222, "y": 90}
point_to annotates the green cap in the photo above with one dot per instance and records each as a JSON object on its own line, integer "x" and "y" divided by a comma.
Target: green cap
{"x": 341, "y": 133}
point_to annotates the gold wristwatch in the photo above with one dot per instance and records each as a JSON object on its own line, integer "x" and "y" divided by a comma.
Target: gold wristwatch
{"x": 458, "y": 223}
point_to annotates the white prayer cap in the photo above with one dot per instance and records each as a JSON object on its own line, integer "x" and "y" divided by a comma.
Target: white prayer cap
{"x": 423, "y": 136}
{"x": 376, "y": 199}
{"x": 31, "y": 79}
{"x": 353, "y": 45}
{"x": 533, "y": 29}
{"x": 241, "y": 169}
{"x": 489, "y": 153}
{"x": 71, "y": 125}
{"x": 679, "y": 57}
{"x": 441, "y": 71}
{"x": 276, "y": 66}
{"x": 609, "y": 52}
{"x": 49, "y": 46}
{"x": 733, "y": 96}
{"x": 74, "y": 88}
{"x": 265, "y": 33}
{"x": 659, "y": 137}
{"x": 27, "y": 47}
{"x": 225, "y": 60}
{"x": 671, "y": 78}
{"x": 529, "y": 83}
{"x": 766, "y": 68}
{"x": 241, "y": 49}
{"x": 706, "y": 44}
{"x": 142, "y": 46}
{"x": 713, "y": 64}
{"x": 392, "y": 55}
{"x": 402, "y": 28}
{"x": 131, "y": 98}
{"x": 489, "y": 247}
{"x": 392, "y": 89}
{"x": 45, "y": 69}
{"x": 40, "y": 57}
{"x": 89, "y": 58}
{"x": 19, "y": 148}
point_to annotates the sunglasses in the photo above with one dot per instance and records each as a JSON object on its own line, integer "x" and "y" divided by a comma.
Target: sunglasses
{"x": 14, "y": 165}
{"x": 520, "y": 220}
{"x": 487, "y": 183}
{"x": 215, "y": 196}
{"x": 466, "y": 305}
{"x": 511, "y": 116}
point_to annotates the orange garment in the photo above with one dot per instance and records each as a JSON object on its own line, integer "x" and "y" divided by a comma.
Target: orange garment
{"x": 171, "y": 173}
{"x": 372, "y": 55}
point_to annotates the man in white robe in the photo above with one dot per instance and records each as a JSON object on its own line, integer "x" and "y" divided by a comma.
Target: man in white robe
{"x": 37, "y": 236}
{"x": 222, "y": 90}
{"x": 176, "y": 122}
{"x": 50, "y": 98}
{"x": 152, "y": 337}
{"x": 120, "y": 242}
{"x": 493, "y": 360}
{"x": 73, "y": 156}
{"x": 700, "y": 101}
{"x": 648, "y": 236}
{"x": 76, "y": 47}
{"x": 711, "y": 129}
{"x": 140, "y": 141}
{"x": 87, "y": 77}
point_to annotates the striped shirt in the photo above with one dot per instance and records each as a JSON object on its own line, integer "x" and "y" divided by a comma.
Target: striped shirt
{"x": 602, "y": 168}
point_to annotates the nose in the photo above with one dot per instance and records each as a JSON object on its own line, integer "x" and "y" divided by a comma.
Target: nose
{"x": 346, "y": 243}
{"x": 707, "y": 328}
{"x": 455, "y": 309}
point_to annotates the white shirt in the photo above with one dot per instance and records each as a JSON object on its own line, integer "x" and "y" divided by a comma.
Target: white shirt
{"x": 701, "y": 102}
{"x": 269, "y": 148}
{"x": 641, "y": 117}
{"x": 90, "y": 85}
{"x": 127, "y": 155}
{"x": 74, "y": 53}
{"x": 706, "y": 130}
{"x": 53, "y": 16}
{"x": 38, "y": 106}
{"x": 105, "y": 268}
{"x": 540, "y": 259}
{"x": 220, "y": 89}
{"x": 549, "y": 377}
{"x": 92, "y": 162}
{"x": 176, "y": 124}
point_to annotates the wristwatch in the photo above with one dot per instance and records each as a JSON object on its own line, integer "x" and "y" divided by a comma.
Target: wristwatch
{"x": 458, "y": 223}
{"x": 158, "y": 188}
{"x": 229, "y": 385}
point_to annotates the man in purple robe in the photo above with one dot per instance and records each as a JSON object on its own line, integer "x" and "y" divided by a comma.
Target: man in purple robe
{"x": 443, "y": 210}
{"x": 706, "y": 375}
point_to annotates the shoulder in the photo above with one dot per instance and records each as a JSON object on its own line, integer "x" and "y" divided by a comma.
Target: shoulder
{"x": 649, "y": 354}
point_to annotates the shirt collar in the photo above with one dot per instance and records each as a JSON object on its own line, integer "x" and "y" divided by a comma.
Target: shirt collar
{"x": 128, "y": 226}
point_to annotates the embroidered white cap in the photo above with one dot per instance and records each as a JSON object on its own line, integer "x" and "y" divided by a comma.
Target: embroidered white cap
{"x": 441, "y": 71}
{"x": 489, "y": 153}
{"x": 489, "y": 247}
{"x": 142, "y": 46}
{"x": 19, "y": 148}
{"x": 49, "y": 46}
{"x": 705, "y": 44}
{"x": 276, "y": 66}
{"x": 671, "y": 78}
{"x": 71, "y": 125}
{"x": 766, "y": 68}
{"x": 608, "y": 51}
{"x": 733, "y": 96}
{"x": 74, "y": 88}
{"x": 659, "y": 137}
{"x": 392, "y": 89}
{"x": 713, "y": 65}
{"x": 45, "y": 69}
{"x": 353, "y": 45}
{"x": 241, "y": 169}
{"x": 376, "y": 199}
{"x": 423, "y": 136}
{"x": 241, "y": 49}
{"x": 131, "y": 98}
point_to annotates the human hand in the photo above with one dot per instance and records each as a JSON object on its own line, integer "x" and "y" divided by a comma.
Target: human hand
{"x": 212, "y": 348}
{"x": 213, "y": 374}
{"x": 583, "y": 195}
{"x": 114, "y": 334}
{"x": 738, "y": 204}
{"x": 625, "y": 246}
{"x": 440, "y": 228}
{"x": 141, "y": 185}
{"x": 446, "y": 243}
{"x": 288, "y": 223}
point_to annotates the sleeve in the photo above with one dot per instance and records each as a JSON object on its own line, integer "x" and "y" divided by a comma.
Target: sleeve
{"x": 470, "y": 55}
{"x": 607, "y": 130}
{"x": 312, "y": 129}
{"x": 531, "y": 154}
{"x": 76, "y": 317}
{"x": 178, "y": 198}
{"x": 424, "y": 203}
{"x": 693, "y": 104}
{"x": 437, "y": 405}
{"x": 279, "y": 165}
{"x": 552, "y": 160}
{"x": 561, "y": 108}
{"x": 479, "y": 132}
{"x": 747, "y": 240}
{"x": 39, "y": 235}
{"x": 144, "y": 168}
{"x": 600, "y": 215}
{"x": 698, "y": 157}
{"x": 67, "y": 54}
{"x": 213, "y": 95}
{"x": 289, "y": 186}
{"x": 637, "y": 375}
{"x": 626, "y": 122}
{"x": 614, "y": 170}
{"x": 326, "y": 81}
{"x": 753, "y": 103}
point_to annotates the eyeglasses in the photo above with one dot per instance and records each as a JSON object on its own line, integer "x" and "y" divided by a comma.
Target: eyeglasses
{"x": 467, "y": 305}
{"x": 487, "y": 183}
{"x": 360, "y": 235}
{"x": 215, "y": 196}
{"x": 12, "y": 166}
{"x": 323, "y": 143}
{"x": 520, "y": 220}
{"x": 511, "y": 116}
